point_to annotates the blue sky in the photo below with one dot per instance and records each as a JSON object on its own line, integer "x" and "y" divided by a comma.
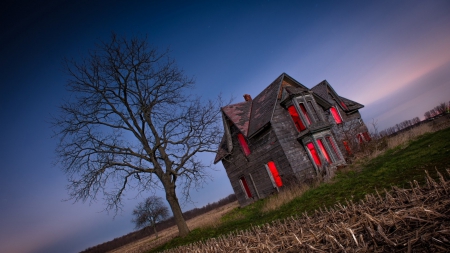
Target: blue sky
{"x": 391, "y": 56}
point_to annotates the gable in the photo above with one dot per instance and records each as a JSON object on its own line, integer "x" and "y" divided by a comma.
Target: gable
{"x": 326, "y": 92}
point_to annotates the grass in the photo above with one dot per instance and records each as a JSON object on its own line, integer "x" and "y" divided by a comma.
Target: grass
{"x": 395, "y": 167}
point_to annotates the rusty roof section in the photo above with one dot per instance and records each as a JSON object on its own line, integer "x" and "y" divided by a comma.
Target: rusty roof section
{"x": 239, "y": 114}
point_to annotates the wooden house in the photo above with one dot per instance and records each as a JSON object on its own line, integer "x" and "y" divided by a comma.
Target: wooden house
{"x": 288, "y": 134}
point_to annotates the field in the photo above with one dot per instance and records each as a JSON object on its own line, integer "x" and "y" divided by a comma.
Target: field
{"x": 209, "y": 219}
{"x": 403, "y": 220}
{"x": 353, "y": 212}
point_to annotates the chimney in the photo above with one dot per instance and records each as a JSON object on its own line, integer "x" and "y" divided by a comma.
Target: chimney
{"x": 247, "y": 97}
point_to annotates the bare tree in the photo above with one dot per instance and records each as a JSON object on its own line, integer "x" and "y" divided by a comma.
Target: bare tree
{"x": 131, "y": 124}
{"x": 427, "y": 115}
{"x": 441, "y": 108}
{"x": 150, "y": 212}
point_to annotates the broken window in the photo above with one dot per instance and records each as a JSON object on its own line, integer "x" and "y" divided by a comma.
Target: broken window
{"x": 304, "y": 112}
{"x": 244, "y": 145}
{"x": 333, "y": 147}
{"x": 360, "y": 138}
{"x": 323, "y": 150}
{"x": 273, "y": 174}
{"x": 295, "y": 117}
{"x": 313, "y": 152}
{"x": 245, "y": 187}
{"x": 336, "y": 115}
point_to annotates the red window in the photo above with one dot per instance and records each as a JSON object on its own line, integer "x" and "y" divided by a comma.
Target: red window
{"x": 245, "y": 187}
{"x": 331, "y": 144}
{"x": 336, "y": 115}
{"x": 297, "y": 121}
{"x": 324, "y": 151}
{"x": 313, "y": 152}
{"x": 347, "y": 147}
{"x": 367, "y": 136}
{"x": 360, "y": 138}
{"x": 305, "y": 113}
{"x": 244, "y": 145}
{"x": 343, "y": 105}
{"x": 275, "y": 176}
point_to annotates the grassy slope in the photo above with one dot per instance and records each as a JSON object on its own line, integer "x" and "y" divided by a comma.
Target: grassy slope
{"x": 396, "y": 167}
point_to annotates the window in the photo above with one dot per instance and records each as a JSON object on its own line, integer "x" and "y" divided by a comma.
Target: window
{"x": 367, "y": 136}
{"x": 305, "y": 113}
{"x": 360, "y": 138}
{"x": 323, "y": 150}
{"x": 244, "y": 145}
{"x": 295, "y": 117}
{"x": 336, "y": 115}
{"x": 333, "y": 147}
{"x": 347, "y": 147}
{"x": 245, "y": 188}
{"x": 343, "y": 105}
{"x": 273, "y": 174}
{"x": 313, "y": 152}
{"x": 313, "y": 111}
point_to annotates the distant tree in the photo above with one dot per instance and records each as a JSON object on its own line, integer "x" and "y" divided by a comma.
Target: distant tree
{"x": 433, "y": 112}
{"x": 427, "y": 115}
{"x": 133, "y": 123}
{"x": 150, "y": 212}
{"x": 440, "y": 108}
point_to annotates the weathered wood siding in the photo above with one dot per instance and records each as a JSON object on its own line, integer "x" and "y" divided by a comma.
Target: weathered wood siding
{"x": 296, "y": 154}
{"x": 264, "y": 147}
{"x": 352, "y": 124}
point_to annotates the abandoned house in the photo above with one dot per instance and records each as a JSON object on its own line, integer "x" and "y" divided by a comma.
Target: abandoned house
{"x": 287, "y": 134}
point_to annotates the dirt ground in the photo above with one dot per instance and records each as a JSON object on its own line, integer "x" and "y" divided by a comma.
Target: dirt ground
{"x": 208, "y": 219}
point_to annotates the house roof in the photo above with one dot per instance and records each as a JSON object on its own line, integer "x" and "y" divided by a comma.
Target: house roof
{"x": 239, "y": 115}
{"x": 325, "y": 91}
{"x": 253, "y": 115}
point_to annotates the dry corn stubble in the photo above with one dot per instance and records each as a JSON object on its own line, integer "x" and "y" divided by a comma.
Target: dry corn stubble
{"x": 404, "y": 220}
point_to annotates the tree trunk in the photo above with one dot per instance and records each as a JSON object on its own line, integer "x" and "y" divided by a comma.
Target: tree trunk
{"x": 154, "y": 228}
{"x": 171, "y": 197}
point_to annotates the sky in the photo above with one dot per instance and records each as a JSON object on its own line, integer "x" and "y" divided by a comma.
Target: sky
{"x": 391, "y": 56}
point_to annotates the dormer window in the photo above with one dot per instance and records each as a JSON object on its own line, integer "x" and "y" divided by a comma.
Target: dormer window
{"x": 305, "y": 113}
{"x": 296, "y": 118}
{"x": 244, "y": 144}
{"x": 336, "y": 116}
